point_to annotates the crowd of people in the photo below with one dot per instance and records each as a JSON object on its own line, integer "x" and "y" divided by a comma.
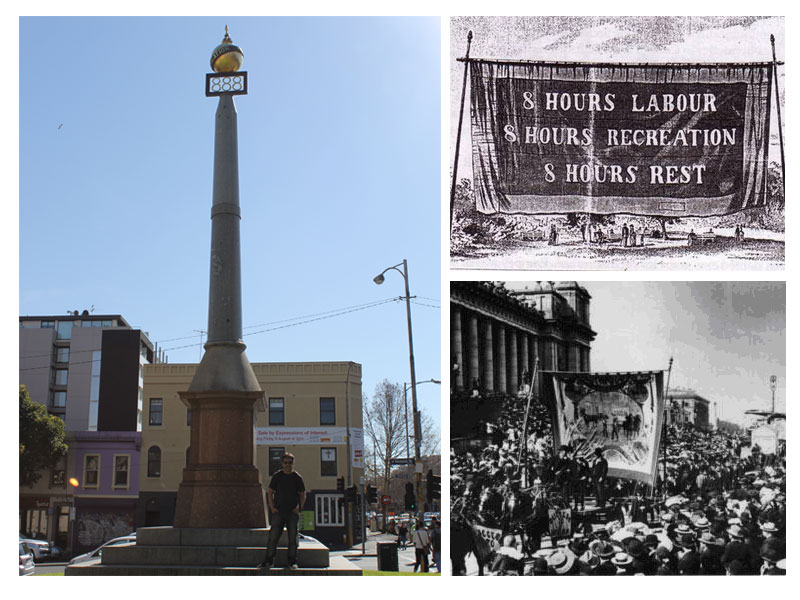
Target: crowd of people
{"x": 711, "y": 511}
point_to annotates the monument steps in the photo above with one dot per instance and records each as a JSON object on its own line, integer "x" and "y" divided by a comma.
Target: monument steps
{"x": 339, "y": 566}
{"x": 199, "y": 551}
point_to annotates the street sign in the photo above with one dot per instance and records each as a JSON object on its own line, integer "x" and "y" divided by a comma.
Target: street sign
{"x": 401, "y": 462}
{"x": 386, "y": 499}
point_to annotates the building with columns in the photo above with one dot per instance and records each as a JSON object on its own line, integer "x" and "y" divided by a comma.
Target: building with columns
{"x": 498, "y": 333}
{"x": 689, "y": 407}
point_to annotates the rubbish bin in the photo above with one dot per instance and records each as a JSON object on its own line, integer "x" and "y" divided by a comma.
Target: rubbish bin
{"x": 387, "y": 556}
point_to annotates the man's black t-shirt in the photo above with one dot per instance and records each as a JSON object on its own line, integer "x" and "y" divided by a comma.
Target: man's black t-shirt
{"x": 287, "y": 490}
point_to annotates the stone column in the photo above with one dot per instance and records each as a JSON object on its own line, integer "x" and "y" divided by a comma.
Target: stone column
{"x": 456, "y": 347}
{"x": 488, "y": 357}
{"x": 472, "y": 349}
{"x": 221, "y": 486}
{"x": 513, "y": 362}
{"x": 502, "y": 368}
{"x": 525, "y": 354}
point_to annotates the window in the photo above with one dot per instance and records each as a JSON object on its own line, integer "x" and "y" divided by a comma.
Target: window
{"x": 156, "y": 411}
{"x": 57, "y": 477}
{"x": 60, "y": 377}
{"x": 48, "y": 324}
{"x": 91, "y": 471}
{"x": 276, "y": 411}
{"x": 121, "y": 471}
{"x": 154, "y": 462}
{"x": 64, "y": 330}
{"x": 327, "y": 411}
{"x": 328, "y": 462}
{"x": 58, "y": 399}
{"x": 329, "y": 510}
{"x": 62, "y": 354}
{"x": 275, "y": 458}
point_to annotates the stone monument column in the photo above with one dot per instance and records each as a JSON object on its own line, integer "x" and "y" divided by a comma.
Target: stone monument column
{"x": 221, "y": 486}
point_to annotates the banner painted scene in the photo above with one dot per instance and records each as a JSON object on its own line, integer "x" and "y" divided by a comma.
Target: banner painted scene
{"x": 618, "y": 413}
{"x": 669, "y": 140}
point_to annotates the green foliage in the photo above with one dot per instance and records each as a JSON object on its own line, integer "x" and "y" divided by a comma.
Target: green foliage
{"x": 41, "y": 439}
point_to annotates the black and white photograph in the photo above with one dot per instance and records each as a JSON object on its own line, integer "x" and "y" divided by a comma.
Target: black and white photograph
{"x": 618, "y": 428}
{"x": 617, "y": 143}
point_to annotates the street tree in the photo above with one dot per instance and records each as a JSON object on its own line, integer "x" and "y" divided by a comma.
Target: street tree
{"x": 41, "y": 439}
{"x": 385, "y": 427}
{"x": 431, "y": 442}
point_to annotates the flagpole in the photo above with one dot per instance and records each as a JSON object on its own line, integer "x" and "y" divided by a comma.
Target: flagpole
{"x": 523, "y": 442}
{"x": 780, "y": 125}
{"x": 458, "y": 135}
{"x": 664, "y": 425}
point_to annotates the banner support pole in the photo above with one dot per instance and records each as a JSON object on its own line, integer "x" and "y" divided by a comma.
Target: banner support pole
{"x": 780, "y": 125}
{"x": 664, "y": 432}
{"x": 523, "y": 442}
{"x": 458, "y": 135}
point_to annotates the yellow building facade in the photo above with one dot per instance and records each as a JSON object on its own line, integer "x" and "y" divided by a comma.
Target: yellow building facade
{"x": 312, "y": 410}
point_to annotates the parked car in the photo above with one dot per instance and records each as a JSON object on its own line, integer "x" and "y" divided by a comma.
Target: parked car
{"x": 97, "y": 553}
{"x": 40, "y": 548}
{"x": 26, "y": 566}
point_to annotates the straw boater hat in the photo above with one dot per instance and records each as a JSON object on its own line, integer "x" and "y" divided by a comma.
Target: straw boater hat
{"x": 702, "y": 523}
{"x": 735, "y": 531}
{"x": 621, "y": 559}
{"x": 710, "y": 540}
{"x": 561, "y": 561}
{"x": 602, "y": 549}
{"x": 683, "y": 529}
{"x": 686, "y": 540}
{"x": 769, "y": 527}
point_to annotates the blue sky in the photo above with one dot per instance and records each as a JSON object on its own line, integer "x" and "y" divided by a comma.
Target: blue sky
{"x": 339, "y": 165}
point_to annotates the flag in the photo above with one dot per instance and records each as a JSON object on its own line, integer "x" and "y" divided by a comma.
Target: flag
{"x": 663, "y": 140}
{"x": 620, "y": 413}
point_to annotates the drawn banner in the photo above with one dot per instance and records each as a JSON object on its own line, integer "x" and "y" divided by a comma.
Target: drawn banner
{"x": 666, "y": 140}
{"x": 621, "y": 413}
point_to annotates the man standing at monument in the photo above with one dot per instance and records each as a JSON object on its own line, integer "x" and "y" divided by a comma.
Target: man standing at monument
{"x": 286, "y": 496}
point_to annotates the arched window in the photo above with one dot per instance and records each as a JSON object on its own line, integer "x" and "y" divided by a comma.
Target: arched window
{"x": 154, "y": 462}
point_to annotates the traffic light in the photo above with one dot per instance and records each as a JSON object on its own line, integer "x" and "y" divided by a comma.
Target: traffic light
{"x": 372, "y": 494}
{"x": 340, "y": 484}
{"x": 434, "y": 483}
{"x": 351, "y": 494}
{"x": 410, "y": 499}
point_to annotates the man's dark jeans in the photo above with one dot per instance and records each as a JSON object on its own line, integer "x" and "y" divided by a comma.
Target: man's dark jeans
{"x": 278, "y": 521}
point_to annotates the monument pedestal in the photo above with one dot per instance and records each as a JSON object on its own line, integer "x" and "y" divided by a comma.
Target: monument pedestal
{"x": 221, "y": 487}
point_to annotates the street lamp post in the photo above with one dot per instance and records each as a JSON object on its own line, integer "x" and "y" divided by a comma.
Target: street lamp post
{"x": 379, "y": 279}
{"x": 406, "y": 386}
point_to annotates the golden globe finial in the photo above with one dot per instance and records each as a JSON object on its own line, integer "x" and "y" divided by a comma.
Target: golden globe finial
{"x": 227, "y": 57}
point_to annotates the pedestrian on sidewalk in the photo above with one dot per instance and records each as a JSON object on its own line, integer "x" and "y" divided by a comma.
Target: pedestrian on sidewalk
{"x": 422, "y": 544}
{"x": 402, "y": 532}
{"x": 436, "y": 544}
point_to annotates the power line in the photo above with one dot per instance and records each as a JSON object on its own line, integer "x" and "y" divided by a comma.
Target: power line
{"x": 327, "y": 316}
{"x": 334, "y": 312}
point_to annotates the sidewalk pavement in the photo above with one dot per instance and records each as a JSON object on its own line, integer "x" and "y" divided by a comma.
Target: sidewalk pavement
{"x": 369, "y": 559}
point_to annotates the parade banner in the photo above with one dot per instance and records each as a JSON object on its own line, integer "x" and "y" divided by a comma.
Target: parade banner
{"x": 493, "y": 537}
{"x": 662, "y": 140}
{"x": 620, "y": 413}
{"x": 560, "y": 522}
{"x": 306, "y": 436}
